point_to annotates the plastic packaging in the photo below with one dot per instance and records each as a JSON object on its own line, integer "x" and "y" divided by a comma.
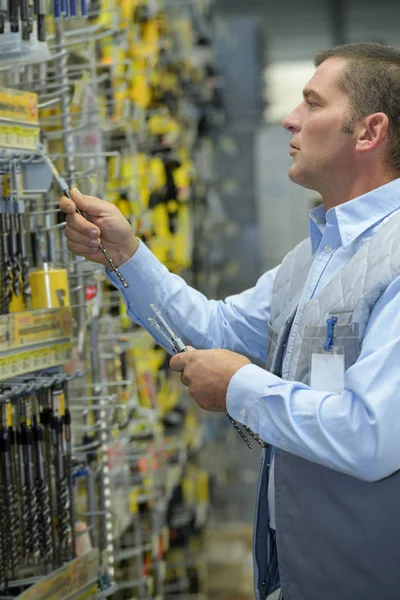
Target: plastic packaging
{"x": 15, "y": 50}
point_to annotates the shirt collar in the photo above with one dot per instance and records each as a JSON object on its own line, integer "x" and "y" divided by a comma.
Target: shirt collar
{"x": 353, "y": 218}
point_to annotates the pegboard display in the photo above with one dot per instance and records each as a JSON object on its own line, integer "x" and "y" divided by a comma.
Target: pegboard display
{"x": 102, "y": 493}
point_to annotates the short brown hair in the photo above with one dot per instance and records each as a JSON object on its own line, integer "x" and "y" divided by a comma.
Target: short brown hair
{"x": 371, "y": 79}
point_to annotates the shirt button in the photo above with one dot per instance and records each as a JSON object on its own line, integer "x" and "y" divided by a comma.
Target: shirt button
{"x": 328, "y": 249}
{"x": 243, "y": 413}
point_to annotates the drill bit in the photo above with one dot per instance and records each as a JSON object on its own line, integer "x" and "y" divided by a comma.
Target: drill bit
{"x": 9, "y": 496}
{"x": 42, "y": 498}
{"x": 3, "y": 14}
{"x": 22, "y": 487}
{"x": 178, "y": 346}
{"x": 26, "y": 287}
{"x": 13, "y": 15}
{"x": 255, "y": 437}
{"x": 68, "y": 467}
{"x": 240, "y": 432}
{"x": 33, "y": 529}
{"x": 3, "y": 551}
{"x": 25, "y": 15}
{"x": 6, "y": 283}
{"x": 41, "y": 20}
{"x": 8, "y": 266}
{"x": 27, "y": 525}
{"x": 61, "y": 480}
{"x": 4, "y": 555}
{"x": 15, "y": 521}
{"x": 17, "y": 214}
{"x": 15, "y": 256}
{"x": 65, "y": 190}
{"x": 45, "y": 421}
{"x": 63, "y": 520}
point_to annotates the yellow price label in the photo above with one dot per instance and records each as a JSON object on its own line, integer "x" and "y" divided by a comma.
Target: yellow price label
{"x": 62, "y": 404}
{"x": 8, "y": 414}
{"x": 28, "y": 412}
{"x": 133, "y": 501}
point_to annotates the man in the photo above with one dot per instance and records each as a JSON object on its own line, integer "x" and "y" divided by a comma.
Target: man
{"x": 328, "y": 402}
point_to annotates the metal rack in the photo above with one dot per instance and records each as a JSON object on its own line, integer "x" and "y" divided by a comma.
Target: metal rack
{"x": 110, "y": 433}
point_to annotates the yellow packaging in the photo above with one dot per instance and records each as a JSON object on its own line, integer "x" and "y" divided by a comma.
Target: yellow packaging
{"x": 18, "y": 106}
{"x": 23, "y": 138}
{"x": 17, "y": 304}
{"x": 49, "y": 288}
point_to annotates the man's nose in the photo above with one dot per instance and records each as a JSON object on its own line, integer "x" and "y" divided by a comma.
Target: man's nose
{"x": 291, "y": 122}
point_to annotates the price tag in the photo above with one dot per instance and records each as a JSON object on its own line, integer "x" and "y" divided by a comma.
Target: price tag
{"x": 133, "y": 501}
{"x": 8, "y": 414}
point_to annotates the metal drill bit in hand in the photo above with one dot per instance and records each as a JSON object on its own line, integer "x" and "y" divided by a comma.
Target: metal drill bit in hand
{"x": 65, "y": 190}
{"x": 167, "y": 333}
{"x": 178, "y": 346}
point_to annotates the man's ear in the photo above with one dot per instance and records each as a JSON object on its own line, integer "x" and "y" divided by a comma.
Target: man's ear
{"x": 372, "y": 132}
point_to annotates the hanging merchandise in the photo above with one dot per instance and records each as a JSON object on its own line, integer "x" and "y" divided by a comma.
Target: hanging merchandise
{"x": 101, "y": 490}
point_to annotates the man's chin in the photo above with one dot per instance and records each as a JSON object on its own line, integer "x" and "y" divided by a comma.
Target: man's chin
{"x": 294, "y": 174}
{"x": 299, "y": 177}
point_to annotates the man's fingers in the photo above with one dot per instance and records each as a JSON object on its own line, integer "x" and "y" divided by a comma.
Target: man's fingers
{"x": 83, "y": 226}
{"x": 81, "y": 249}
{"x": 184, "y": 380}
{"x": 80, "y": 238}
{"x": 94, "y": 207}
{"x": 67, "y": 206}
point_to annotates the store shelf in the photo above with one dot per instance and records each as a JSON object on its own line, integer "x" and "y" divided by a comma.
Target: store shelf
{"x": 67, "y": 583}
{"x": 106, "y": 593}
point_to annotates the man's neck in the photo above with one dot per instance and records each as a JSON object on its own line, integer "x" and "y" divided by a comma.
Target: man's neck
{"x": 357, "y": 188}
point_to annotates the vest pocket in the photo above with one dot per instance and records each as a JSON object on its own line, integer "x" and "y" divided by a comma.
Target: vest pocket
{"x": 346, "y": 336}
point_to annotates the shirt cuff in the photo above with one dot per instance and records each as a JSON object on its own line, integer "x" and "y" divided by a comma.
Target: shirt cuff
{"x": 246, "y": 391}
{"x": 142, "y": 272}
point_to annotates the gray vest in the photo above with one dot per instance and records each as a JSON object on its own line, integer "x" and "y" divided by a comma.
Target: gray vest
{"x": 337, "y": 537}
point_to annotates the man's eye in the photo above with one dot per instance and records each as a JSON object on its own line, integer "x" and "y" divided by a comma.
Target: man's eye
{"x": 311, "y": 104}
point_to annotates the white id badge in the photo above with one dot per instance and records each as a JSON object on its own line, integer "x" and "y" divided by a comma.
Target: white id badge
{"x": 327, "y": 371}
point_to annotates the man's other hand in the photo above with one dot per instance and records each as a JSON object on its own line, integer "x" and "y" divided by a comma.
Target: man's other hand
{"x": 207, "y": 374}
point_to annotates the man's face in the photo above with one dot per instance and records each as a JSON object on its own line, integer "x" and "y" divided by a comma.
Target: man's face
{"x": 321, "y": 151}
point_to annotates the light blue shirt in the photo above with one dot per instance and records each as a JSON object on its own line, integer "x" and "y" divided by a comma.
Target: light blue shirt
{"x": 356, "y": 432}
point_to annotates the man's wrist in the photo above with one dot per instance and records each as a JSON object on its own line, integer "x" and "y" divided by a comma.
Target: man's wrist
{"x": 123, "y": 255}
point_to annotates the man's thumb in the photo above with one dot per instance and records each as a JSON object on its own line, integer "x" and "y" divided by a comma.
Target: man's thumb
{"x": 88, "y": 204}
{"x": 178, "y": 361}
